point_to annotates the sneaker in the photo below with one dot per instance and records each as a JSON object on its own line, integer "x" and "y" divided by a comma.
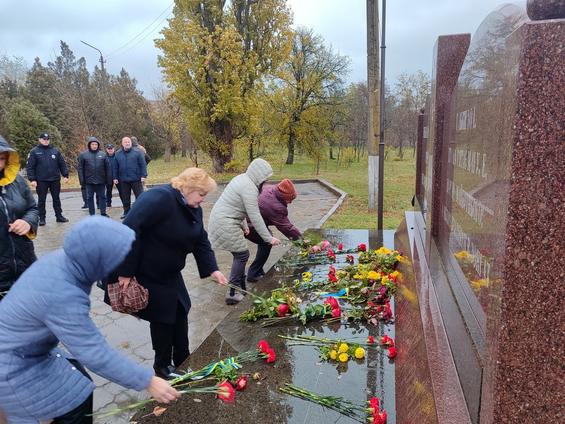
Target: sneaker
{"x": 61, "y": 218}
{"x": 104, "y": 214}
{"x": 42, "y": 221}
{"x": 235, "y": 299}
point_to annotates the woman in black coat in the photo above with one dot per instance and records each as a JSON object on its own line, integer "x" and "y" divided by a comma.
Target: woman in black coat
{"x": 19, "y": 219}
{"x": 168, "y": 224}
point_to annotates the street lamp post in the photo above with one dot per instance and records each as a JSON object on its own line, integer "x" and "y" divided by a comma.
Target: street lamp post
{"x": 102, "y": 61}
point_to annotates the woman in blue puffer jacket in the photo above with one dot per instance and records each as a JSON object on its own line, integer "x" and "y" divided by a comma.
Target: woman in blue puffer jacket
{"x": 50, "y": 304}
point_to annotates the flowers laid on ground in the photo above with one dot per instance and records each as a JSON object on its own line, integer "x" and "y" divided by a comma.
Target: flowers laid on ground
{"x": 224, "y": 372}
{"x": 354, "y": 410}
{"x": 342, "y": 350}
{"x": 283, "y": 301}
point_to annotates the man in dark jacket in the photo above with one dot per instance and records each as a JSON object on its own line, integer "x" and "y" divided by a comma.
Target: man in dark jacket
{"x": 18, "y": 219}
{"x": 94, "y": 171}
{"x": 45, "y": 165}
{"x": 111, "y": 155}
{"x": 129, "y": 170}
{"x": 273, "y": 205}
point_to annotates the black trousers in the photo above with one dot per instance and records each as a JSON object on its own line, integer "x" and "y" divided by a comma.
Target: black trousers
{"x": 79, "y": 414}
{"x": 237, "y": 272}
{"x": 263, "y": 251}
{"x": 125, "y": 191}
{"x": 109, "y": 188}
{"x": 100, "y": 190}
{"x": 42, "y": 188}
{"x": 170, "y": 341}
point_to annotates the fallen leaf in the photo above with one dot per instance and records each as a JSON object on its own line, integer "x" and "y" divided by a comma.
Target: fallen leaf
{"x": 197, "y": 400}
{"x": 158, "y": 411}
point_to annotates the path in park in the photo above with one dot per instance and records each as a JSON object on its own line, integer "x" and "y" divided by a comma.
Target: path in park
{"x": 130, "y": 335}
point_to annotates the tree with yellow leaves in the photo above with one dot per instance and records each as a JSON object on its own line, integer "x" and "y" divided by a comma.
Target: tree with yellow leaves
{"x": 216, "y": 55}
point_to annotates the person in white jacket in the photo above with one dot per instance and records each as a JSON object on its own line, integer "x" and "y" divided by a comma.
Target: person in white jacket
{"x": 228, "y": 226}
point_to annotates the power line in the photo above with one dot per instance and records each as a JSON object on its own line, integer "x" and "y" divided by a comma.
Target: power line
{"x": 140, "y": 34}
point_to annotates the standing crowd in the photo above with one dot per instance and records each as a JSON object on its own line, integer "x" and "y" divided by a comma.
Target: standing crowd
{"x": 45, "y": 303}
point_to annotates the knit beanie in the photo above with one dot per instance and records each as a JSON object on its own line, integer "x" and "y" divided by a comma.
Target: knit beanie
{"x": 287, "y": 190}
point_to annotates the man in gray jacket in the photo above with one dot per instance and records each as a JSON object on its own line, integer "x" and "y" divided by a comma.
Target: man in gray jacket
{"x": 228, "y": 225}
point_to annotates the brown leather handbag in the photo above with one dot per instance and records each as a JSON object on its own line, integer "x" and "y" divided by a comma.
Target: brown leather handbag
{"x": 130, "y": 299}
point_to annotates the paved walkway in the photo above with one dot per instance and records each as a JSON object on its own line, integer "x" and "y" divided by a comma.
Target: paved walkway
{"x": 130, "y": 335}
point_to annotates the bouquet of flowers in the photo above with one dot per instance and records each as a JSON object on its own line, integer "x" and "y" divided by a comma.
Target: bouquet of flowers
{"x": 354, "y": 410}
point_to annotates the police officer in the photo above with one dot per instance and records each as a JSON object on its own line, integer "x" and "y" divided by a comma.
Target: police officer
{"x": 45, "y": 165}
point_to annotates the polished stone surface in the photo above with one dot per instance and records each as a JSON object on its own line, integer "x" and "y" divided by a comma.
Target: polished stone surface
{"x": 299, "y": 365}
{"x": 526, "y": 379}
{"x": 546, "y": 9}
{"x": 131, "y": 335}
{"x": 491, "y": 257}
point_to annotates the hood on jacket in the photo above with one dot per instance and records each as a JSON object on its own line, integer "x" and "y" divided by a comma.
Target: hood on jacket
{"x": 259, "y": 171}
{"x": 10, "y": 172}
{"x": 93, "y": 140}
{"x": 96, "y": 246}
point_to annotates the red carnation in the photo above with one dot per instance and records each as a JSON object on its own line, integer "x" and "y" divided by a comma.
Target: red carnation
{"x": 374, "y": 403}
{"x": 340, "y": 246}
{"x": 362, "y": 247}
{"x": 349, "y": 259}
{"x": 241, "y": 382}
{"x": 332, "y": 269}
{"x": 263, "y": 346}
{"x": 371, "y": 340}
{"x": 336, "y": 312}
{"x": 387, "y": 341}
{"x": 226, "y": 392}
{"x": 332, "y": 301}
{"x": 391, "y": 352}
{"x": 332, "y": 278}
{"x": 271, "y": 355}
{"x": 282, "y": 309}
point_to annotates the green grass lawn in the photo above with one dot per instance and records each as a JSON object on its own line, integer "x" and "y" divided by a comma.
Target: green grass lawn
{"x": 352, "y": 178}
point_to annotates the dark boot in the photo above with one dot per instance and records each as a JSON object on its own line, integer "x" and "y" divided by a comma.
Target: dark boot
{"x": 61, "y": 218}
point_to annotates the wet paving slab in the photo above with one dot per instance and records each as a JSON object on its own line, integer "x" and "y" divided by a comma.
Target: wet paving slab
{"x": 130, "y": 335}
{"x": 262, "y": 401}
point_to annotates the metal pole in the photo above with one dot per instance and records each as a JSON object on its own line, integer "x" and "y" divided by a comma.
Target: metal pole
{"x": 382, "y": 124}
{"x": 102, "y": 61}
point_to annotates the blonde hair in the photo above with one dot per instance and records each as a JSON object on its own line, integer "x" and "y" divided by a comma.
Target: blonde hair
{"x": 192, "y": 179}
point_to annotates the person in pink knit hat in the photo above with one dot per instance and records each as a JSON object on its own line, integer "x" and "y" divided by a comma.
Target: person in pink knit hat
{"x": 273, "y": 205}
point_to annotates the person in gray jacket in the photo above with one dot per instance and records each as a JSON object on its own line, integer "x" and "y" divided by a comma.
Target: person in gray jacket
{"x": 228, "y": 225}
{"x": 50, "y": 304}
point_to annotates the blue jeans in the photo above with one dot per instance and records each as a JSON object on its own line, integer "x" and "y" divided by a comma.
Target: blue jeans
{"x": 100, "y": 190}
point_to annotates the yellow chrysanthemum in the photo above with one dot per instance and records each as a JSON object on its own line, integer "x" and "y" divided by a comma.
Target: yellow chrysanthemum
{"x": 357, "y": 276}
{"x": 307, "y": 277}
{"x": 383, "y": 251}
{"x": 343, "y": 357}
{"x": 343, "y": 348}
{"x": 373, "y": 275}
{"x": 384, "y": 280}
{"x": 359, "y": 353}
{"x": 395, "y": 274}
{"x": 333, "y": 354}
{"x": 463, "y": 255}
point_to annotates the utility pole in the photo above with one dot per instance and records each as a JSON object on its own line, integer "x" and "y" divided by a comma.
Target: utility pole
{"x": 102, "y": 61}
{"x": 382, "y": 124}
{"x": 373, "y": 85}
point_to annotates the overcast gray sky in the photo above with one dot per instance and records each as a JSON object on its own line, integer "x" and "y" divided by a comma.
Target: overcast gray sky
{"x": 124, "y": 30}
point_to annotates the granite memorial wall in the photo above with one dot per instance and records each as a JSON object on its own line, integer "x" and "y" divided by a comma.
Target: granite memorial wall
{"x": 490, "y": 191}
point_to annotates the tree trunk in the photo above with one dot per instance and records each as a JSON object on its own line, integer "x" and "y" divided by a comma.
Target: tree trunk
{"x": 290, "y": 145}
{"x": 250, "y": 151}
{"x": 168, "y": 150}
{"x": 331, "y": 153}
{"x": 223, "y": 153}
